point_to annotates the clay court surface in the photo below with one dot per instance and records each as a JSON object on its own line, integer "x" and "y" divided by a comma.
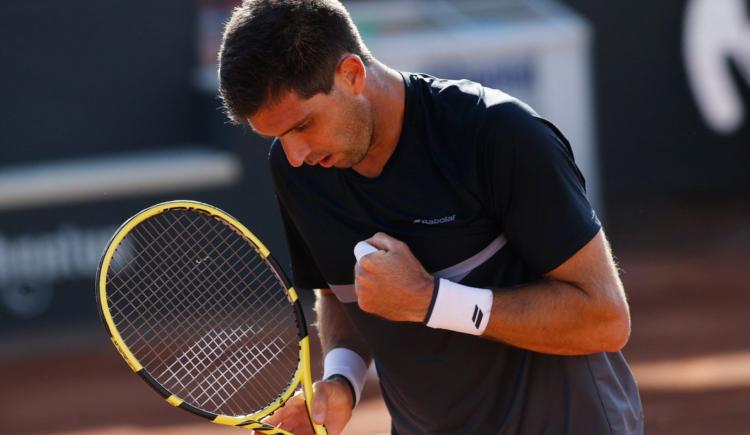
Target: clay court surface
{"x": 686, "y": 276}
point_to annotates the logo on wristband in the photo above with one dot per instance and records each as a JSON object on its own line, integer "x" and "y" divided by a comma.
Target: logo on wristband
{"x": 477, "y": 317}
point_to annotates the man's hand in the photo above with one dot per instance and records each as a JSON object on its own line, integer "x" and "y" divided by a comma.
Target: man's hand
{"x": 392, "y": 283}
{"x": 331, "y": 407}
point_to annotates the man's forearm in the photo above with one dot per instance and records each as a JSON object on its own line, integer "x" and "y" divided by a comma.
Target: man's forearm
{"x": 580, "y": 308}
{"x": 335, "y": 329}
{"x": 554, "y": 317}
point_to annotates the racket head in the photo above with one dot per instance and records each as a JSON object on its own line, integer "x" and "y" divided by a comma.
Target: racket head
{"x": 184, "y": 291}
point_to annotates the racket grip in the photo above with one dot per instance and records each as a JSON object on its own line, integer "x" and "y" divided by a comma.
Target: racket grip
{"x": 363, "y": 248}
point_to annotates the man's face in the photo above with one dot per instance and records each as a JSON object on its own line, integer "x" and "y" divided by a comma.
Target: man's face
{"x": 333, "y": 129}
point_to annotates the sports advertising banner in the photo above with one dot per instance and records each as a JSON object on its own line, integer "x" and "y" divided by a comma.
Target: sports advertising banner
{"x": 95, "y": 129}
{"x": 673, "y": 97}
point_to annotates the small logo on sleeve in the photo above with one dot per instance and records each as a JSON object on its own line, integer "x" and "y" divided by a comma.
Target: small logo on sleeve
{"x": 442, "y": 220}
{"x": 477, "y": 317}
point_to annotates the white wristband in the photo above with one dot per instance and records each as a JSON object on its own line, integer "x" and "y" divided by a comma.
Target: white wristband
{"x": 459, "y": 308}
{"x": 347, "y": 363}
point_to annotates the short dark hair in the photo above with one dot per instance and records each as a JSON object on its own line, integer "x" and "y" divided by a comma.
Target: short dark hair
{"x": 275, "y": 46}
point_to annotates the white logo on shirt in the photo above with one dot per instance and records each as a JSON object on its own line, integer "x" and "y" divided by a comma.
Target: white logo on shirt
{"x": 442, "y": 220}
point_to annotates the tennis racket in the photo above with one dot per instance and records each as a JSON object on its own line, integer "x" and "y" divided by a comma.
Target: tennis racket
{"x": 197, "y": 307}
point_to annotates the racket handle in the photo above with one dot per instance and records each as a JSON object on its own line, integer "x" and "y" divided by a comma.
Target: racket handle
{"x": 363, "y": 248}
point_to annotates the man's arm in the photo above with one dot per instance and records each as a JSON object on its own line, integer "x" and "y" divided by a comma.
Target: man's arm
{"x": 579, "y": 308}
{"x": 334, "y": 327}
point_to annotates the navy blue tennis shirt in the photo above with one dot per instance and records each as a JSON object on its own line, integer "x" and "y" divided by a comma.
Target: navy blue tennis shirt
{"x": 485, "y": 193}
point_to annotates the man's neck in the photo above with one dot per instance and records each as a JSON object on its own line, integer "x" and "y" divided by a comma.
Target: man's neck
{"x": 385, "y": 89}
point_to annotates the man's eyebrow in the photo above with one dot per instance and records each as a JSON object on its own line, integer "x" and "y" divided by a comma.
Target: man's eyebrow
{"x": 296, "y": 125}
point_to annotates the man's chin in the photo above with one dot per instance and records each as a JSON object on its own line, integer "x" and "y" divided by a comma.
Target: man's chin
{"x": 344, "y": 164}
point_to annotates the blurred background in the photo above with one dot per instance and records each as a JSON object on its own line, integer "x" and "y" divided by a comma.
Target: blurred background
{"x": 108, "y": 107}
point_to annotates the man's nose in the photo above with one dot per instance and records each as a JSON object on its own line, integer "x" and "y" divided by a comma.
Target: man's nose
{"x": 296, "y": 152}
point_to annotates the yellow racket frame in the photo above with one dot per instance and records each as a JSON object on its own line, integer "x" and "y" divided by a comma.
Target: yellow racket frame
{"x": 303, "y": 373}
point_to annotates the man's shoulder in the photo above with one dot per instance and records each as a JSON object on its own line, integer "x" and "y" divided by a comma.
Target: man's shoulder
{"x": 466, "y": 92}
{"x": 469, "y": 103}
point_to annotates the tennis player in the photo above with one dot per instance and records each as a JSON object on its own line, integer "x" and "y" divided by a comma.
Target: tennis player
{"x": 492, "y": 304}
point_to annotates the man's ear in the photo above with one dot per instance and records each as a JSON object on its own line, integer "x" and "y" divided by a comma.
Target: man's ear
{"x": 351, "y": 73}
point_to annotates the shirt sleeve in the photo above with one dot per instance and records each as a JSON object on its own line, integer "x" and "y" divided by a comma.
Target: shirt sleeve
{"x": 305, "y": 273}
{"x": 539, "y": 193}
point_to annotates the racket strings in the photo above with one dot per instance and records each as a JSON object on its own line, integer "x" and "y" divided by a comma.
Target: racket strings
{"x": 188, "y": 308}
{"x": 204, "y": 312}
{"x": 256, "y": 278}
{"x": 261, "y": 283}
{"x": 143, "y": 299}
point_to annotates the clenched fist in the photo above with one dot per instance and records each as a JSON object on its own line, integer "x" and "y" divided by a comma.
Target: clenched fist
{"x": 391, "y": 282}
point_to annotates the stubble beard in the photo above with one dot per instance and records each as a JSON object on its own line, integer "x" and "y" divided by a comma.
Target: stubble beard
{"x": 360, "y": 136}
{"x": 360, "y": 152}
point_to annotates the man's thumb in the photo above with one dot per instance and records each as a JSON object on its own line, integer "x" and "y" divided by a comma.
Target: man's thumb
{"x": 320, "y": 403}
